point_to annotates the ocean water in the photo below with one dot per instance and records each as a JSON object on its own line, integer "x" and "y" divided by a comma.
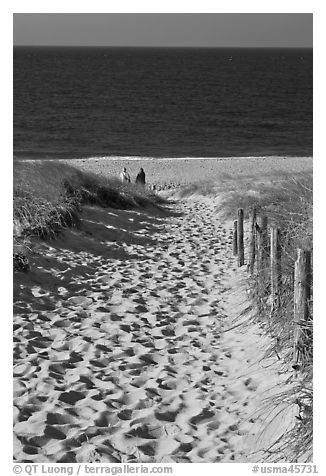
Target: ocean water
{"x": 162, "y": 102}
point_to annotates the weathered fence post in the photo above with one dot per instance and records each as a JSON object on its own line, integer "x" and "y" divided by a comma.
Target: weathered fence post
{"x": 275, "y": 257}
{"x": 240, "y": 238}
{"x": 261, "y": 228}
{"x": 235, "y": 238}
{"x": 252, "y": 239}
{"x": 302, "y": 291}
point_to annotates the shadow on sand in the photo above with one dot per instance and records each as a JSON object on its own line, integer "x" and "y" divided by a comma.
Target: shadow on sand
{"x": 71, "y": 260}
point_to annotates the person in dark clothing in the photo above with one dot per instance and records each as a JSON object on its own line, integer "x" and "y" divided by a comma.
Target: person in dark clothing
{"x": 140, "y": 179}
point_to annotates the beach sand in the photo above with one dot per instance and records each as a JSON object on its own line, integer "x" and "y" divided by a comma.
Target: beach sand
{"x": 171, "y": 173}
{"x": 133, "y": 340}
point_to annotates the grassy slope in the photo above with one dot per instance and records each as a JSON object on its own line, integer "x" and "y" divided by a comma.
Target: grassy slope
{"x": 48, "y": 197}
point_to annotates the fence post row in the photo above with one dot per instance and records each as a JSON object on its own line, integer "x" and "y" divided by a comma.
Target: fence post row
{"x": 258, "y": 253}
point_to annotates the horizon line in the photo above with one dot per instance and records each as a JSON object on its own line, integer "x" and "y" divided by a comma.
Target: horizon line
{"x": 159, "y": 46}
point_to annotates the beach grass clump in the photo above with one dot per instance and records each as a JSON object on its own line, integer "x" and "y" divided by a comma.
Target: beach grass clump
{"x": 48, "y": 196}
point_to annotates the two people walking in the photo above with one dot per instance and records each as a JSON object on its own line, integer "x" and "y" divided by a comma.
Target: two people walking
{"x": 140, "y": 179}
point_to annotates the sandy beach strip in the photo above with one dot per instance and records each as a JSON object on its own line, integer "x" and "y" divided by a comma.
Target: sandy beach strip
{"x": 182, "y": 171}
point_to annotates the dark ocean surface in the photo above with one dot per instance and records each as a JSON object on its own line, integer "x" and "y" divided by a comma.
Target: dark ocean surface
{"x": 162, "y": 102}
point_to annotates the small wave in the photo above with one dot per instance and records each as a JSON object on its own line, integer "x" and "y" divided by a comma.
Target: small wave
{"x": 142, "y": 158}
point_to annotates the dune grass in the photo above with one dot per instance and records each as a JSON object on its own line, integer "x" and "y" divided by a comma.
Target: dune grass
{"x": 287, "y": 200}
{"x": 48, "y": 197}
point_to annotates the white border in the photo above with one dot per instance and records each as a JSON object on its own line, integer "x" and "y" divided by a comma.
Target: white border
{"x": 167, "y": 6}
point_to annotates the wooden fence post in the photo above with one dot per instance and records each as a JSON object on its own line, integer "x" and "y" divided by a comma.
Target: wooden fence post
{"x": 240, "y": 238}
{"x": 275, "y": 257}
{"x": 261, "y": 253}
{"x": 302, "y": 290}
{"x": 252, "y": 239}
{"x": 235, "y": 238}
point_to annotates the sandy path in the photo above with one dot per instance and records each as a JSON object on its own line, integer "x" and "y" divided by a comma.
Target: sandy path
{"x": 119, "y": 351}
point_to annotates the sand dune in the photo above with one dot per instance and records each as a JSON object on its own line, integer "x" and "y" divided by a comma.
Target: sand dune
{"x": 122, "y": 344}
